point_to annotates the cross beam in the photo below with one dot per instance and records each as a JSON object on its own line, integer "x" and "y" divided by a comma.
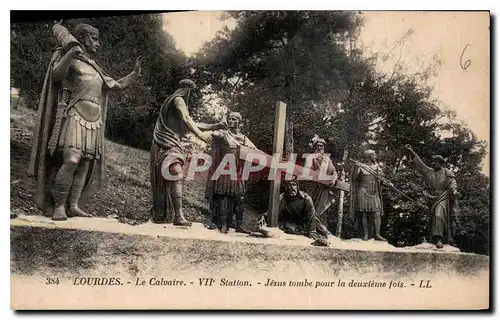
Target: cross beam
{"x": 278, "y": 142}
{"x": 279, "y": 138}
{"x": 246, "y": 153}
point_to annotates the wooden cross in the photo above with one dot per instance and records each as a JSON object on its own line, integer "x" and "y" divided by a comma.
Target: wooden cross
{"x": 278, "y": 142}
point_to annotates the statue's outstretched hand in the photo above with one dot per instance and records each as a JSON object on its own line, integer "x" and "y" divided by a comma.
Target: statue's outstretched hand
{"x": 223, "y": 125}
{"x": 409, "y": 148}
{"x": 332, "y": 183}
{"x": 206, "y": 136}
{"x": 138, "y": 62}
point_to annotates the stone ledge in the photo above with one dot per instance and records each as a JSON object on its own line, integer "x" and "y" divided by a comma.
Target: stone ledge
{"x": 83, "y": 247}
{"x": 198, "y": 231}
{"x": 100, "y": 235}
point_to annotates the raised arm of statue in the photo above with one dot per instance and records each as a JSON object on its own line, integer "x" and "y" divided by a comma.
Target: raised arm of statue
{"x": 419, "y": 164}
{"x": 193, "y": 126}
{"x": 211, "y": 126}
{"x": 425, "y": 170}
{"x": 130, "y": 78}
{"x": 217, "y": 134}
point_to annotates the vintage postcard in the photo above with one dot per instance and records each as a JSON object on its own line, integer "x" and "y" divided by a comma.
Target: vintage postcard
{"x": 320, "y": 160}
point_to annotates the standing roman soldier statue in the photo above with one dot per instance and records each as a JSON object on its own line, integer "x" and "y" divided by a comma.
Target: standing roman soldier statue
{"x": 366, "y": 206}
{"x": 224, "y": 194}
{"x": 167, "y": 154}
{"x": 442, "y": 182}
{"x": 67, "y": 156}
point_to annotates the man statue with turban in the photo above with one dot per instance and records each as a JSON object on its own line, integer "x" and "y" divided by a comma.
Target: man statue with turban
{"x": 226, "y": 192}
{"x": 444, "y": 188}
{"x": 167, "y": 154}
{"x": 366, "y": 206}
{"x": 322, "y": 195}
{"x": 67, "y": 156}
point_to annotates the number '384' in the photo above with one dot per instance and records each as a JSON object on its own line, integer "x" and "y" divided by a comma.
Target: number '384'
{"x": 52, "y": 281}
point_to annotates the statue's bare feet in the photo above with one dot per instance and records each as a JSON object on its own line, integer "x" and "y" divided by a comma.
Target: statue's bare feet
{"x": 379, "y": 238}
{"x": 365, "y": 238}
{"x": 439, "y": 244}
{"x": 77, "y": 212}
{"x": 59, "y": 214}
{"x": 223, "y": 230}
{"x": 182, "y": 222}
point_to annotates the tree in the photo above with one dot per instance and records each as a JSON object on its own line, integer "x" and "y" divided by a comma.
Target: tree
{"x": 31, "y": 48}
{"x": 299, "y": 57}
{"x": 406, "y": 114}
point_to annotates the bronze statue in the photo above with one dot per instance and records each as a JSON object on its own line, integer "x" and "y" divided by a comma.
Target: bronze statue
{"x": 167, "y": 154}
{"x": 366, "y": 206}
{"x": 444, "y": 188}
{"x": 225, "y": 195}
{"x": 296, "y": 213}
{"x": 323, "y": 195}
{"x": 67, "y": 157}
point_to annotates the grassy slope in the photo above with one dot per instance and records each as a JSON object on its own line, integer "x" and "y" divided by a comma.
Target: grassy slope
{"x": 127, "y": 190}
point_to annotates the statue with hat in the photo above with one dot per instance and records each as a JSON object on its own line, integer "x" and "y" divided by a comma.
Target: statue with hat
{"x": 67, "y": 156}
{"x": 224, "y": 192}
{"x": 323, "y": 195}
{"x": 167, "y": 154}
{"x": 366, "y": 206}
{"x": 443, "y": 185}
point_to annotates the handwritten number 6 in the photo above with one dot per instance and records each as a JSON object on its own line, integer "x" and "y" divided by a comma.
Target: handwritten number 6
{"x": 464, "y": 64}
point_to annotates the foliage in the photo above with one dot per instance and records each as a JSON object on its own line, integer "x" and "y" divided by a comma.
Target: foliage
{"x": 299, "y": 57}
{"x": 31, "y": 48}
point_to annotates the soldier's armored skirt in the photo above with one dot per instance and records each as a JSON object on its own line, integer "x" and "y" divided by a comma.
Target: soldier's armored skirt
{"x": 367, "y": 193}
{"x": 81, "y": 134}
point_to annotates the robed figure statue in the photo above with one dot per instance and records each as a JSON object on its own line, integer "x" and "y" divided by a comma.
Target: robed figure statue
{"x": 225, "y": 192}
{"x": 167, "y": 158}
{"x": 444, "y": 187}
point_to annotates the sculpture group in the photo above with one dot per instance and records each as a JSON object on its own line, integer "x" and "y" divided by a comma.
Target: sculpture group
{"x": 68, "y": 157}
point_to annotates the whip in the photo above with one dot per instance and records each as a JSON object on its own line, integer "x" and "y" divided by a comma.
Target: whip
{"x": 387, "y": 182}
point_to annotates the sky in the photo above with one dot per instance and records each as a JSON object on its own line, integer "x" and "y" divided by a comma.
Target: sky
{"x": 443, "y": 35}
